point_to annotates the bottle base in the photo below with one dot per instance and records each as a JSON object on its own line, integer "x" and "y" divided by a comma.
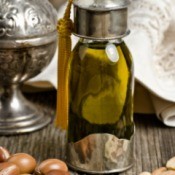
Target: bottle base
{"x": 99, "y": 172}
{"x": 100, "y": 154}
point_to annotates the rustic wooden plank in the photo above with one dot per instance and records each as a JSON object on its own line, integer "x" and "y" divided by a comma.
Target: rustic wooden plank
{"x": 154, "y": 142}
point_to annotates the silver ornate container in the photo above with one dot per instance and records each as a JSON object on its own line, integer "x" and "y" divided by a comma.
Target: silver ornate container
{"x": 28, "y": 40}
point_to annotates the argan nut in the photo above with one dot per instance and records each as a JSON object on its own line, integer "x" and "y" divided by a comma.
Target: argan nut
{"x": 159, "y": 171}
{"x": 57, "y": 172}
{"x": 4, "y": 154}
{"x": 50, "y": 164}
{"x": 8, "y": 168}
{"x": 145, "y": 173}
{"x": 171, "y": 164}
{"x": 169, "y": 172}
{"x": 25, "y": 162}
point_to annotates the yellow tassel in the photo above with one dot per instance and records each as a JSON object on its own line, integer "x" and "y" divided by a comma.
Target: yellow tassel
{"x": 65, "y": 28}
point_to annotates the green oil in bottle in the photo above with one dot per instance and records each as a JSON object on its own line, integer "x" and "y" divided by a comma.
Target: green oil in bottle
{"x": 100, "y": 90}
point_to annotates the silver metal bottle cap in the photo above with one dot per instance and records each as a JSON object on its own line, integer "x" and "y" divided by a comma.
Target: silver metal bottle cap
{"x": 100, "y": 19}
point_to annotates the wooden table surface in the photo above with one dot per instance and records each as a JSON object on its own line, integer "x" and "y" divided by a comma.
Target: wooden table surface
{"x": 154, "y": 142}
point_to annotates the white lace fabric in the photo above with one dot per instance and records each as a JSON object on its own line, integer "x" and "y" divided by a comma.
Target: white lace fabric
{"x": 153, "y": 17}
{"x": 156, "y": 21}
{"x": 152, "y": 43}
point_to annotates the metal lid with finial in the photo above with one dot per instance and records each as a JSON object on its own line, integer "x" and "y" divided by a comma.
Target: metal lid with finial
{"x": 26, "y": 23}
{"x": 100, "y": 19}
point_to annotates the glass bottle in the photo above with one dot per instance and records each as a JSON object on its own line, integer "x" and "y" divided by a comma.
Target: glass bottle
{"x": 100, "y": 125}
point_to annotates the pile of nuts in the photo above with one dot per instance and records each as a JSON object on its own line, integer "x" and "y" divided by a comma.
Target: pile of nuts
{"x": 25, "y": 164}
{"x": 168, "y": 170}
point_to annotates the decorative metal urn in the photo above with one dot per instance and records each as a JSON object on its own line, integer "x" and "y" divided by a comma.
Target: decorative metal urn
{"x": 28, "y": 40}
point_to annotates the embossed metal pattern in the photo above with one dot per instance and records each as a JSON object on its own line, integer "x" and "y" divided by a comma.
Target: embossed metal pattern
{"x": 27, "y": 38}
{"x": 26, "y": 19}
{"x": 18, "y": 65}
{"x": 101, "y": 153}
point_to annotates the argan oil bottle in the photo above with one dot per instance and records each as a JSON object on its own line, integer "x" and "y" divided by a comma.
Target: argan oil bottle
{"x": 100, "y": 124}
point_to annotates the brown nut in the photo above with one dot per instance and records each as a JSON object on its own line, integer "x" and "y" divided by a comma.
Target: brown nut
{"x": 49, "y": 165}
{"x": 171, "y": 164}
{"x": 159, "y": 171}
{"x": 57, "y": 172}
{"x": 8, "y": 168}
{"x": 25, "y": 162}
{"x": 145, "y": 173}
{"x": 169, "y": 172}
{"x": 4, "y": 154}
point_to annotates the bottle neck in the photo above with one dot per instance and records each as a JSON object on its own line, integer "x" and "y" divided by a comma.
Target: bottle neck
{"x": 89, "y": 41}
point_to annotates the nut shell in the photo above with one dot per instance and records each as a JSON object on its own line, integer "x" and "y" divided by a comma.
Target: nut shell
{"x": 57, "y": 172}
{"x": 159, "y": 171}
{"x": 25, "y": 162}
{"x": 4, "y": 154}
{"x": 171, "y": 164}
{"x": 169, "y": 172}
{"x": 8, "y": 168}
{"x": 145, "y": 173}
{"x": 49, "y": 165}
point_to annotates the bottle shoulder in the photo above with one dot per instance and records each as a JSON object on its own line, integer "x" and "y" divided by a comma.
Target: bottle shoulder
{"x": 111, "y": 49}
{"x": 100, "y": 44}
